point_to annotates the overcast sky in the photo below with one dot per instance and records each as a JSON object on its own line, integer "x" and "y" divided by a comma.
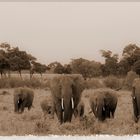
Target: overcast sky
{"x": 61, "y": 31}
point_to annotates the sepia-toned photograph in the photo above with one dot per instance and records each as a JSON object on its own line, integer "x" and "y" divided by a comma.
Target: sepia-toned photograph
{"x": 69, "y": 68}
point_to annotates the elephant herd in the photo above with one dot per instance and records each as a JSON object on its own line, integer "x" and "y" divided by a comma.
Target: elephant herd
{"x": 66, "y": 92}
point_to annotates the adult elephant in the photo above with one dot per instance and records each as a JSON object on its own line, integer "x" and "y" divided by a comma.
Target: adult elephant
{"x": 103, "y": 103}
{"x": 66, "y": 92}
{"x": 23, "y": 97}
{"x": 136, "y": 99}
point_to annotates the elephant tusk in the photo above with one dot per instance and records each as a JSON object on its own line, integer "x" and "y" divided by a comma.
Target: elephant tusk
{"x": 134, "y": 97}
{"x": 103, "y": 108}
{"x": 62, "y": 103}
{"x": 18, "y": 101}
{"x": 72, "y": 102}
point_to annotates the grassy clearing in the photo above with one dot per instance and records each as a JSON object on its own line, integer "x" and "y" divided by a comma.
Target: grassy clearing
{"x": 32, "y": 122}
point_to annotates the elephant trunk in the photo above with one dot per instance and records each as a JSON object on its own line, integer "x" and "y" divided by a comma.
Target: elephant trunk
{"x": 101, "y": 113}
{"x": 67, "y": 109}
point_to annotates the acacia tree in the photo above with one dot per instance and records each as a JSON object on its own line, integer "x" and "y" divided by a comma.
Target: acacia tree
{"x": 56, "y": 67}
{"x": 19, "y": 60}
{"x": 38, "y": 68}
{"x": 67, "y": 69}
{"x": 4, "y": 61}
{"x": 14, "y": 59}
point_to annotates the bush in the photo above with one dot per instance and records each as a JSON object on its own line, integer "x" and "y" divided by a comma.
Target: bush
{"x": 113, "y": 82}
{"x": 94, "y": 83}
{"x": 15, "y": 82}
{"x": 131, "y": 75}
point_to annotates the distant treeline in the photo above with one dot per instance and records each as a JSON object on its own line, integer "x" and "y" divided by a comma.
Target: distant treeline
{"x": 13, "y": 59}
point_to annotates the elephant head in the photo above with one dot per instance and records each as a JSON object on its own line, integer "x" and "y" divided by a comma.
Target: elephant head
{"x": 100, "y": 107}
{"x": 66, "y": 91}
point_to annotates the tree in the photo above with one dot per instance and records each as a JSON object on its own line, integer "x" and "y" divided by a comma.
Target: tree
{"x": 56, "y": 67}
{"x": 136, "y": 67}
{"x": 38, "y": 68}
{"x": 111, "y": 63}
{"x": 4, "y": 62}
{"x": 85, "y": 67}
{"x": 131, "y": 53}
{"x": 67, "y": 69}
{"x": 123, "y": 67}
{"x": 19, "y": 60}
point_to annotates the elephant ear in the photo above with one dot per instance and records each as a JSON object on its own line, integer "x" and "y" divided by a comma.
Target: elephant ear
{"x": 77, "y": 88}
{"x": 55, "y": 87}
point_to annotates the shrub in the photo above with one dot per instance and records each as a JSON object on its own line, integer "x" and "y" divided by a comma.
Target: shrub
{"x": 94, "y": 83}
{"x": 131, "y": 75}
{"x": 113, "y": 82}
{"x": 15, "y": 82}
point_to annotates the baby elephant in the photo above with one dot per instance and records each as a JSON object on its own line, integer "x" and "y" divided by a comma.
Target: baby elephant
{"x": 23, "y": 97}
{"x": 47, "y": 108}
{"x": 103, "y": 103}
{"x": 79, "y": 110}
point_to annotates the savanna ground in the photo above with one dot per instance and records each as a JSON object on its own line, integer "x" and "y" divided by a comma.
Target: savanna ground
{"x": 32, "y": 122}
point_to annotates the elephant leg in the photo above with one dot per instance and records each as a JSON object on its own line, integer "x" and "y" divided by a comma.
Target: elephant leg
{"x": 135, "y": 119}
{"x": 21, "y": 109}
{"x": 112, "y": 113}
{"x": 82, "y": 112}
{"x": 107, "y": 112}
{"x": 29, "y": 107}
{"x": 135, "y": 109}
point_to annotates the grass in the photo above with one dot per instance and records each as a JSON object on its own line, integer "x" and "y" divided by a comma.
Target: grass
{"x": 32, "y": 122}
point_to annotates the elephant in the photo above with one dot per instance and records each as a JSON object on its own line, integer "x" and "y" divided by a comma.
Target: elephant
{"x": 66, "y": 93}
{"x": 23, "y": 97}
{"x": 47, "y": 108}
{"x": 79, "y": 110}
{"x": 136, "y": 99}
{"x": 103, "y": 103}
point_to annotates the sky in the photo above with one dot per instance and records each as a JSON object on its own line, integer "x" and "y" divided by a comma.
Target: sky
{"x": 60, "y": 31}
